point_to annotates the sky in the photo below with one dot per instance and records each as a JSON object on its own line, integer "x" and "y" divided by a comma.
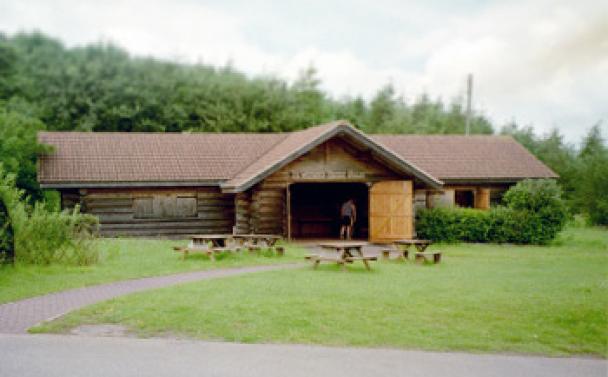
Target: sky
{"x": 538, "y": 63}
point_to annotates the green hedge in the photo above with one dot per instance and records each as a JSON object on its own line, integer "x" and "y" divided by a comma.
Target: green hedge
{"x": 533, "y": 213}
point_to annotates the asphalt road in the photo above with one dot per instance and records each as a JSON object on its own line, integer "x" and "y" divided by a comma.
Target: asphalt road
{"x": 84, "y": 356}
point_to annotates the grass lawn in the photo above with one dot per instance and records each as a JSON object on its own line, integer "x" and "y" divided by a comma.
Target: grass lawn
{"x": 483, "y": 298}
{"x": 120, "y": 259}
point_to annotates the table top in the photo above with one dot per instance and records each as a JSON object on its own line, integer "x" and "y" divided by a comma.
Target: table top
{"x": 211, "y": 236}
{"x": 413, "y": 242}
{"x": 256, "y": 236}
{"x": 342, "y": 244}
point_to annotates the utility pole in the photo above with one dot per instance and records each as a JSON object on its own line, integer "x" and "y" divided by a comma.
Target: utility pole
{"x": 469, "y": 99}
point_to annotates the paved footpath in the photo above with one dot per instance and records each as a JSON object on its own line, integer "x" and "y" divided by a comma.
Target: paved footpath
{"x": 17, "y": 317}
{"x": 65, "y": 356}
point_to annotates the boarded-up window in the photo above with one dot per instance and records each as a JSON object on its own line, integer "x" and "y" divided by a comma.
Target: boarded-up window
{"x": 143, "y": 208}
{"x": 165, "y": 206}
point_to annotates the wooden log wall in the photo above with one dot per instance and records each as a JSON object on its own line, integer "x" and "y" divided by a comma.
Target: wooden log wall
{"x": 215, "y": 211}
{"x": 268, "y": 209}
{"x": 242, "y": 205}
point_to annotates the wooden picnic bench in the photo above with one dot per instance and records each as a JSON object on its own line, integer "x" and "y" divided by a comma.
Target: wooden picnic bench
{"x": 346, "y": 252}
{"x": 210, "y": 252}
{"x": 257, "y": 242}
{"x": 217, "y": 240}
{"x": 208, "y": 244}
{"x": 402, "y": 247}
{"x": 425, "y": 257}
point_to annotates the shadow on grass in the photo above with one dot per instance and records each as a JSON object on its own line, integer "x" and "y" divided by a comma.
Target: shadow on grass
{"x": 335, "y": 268}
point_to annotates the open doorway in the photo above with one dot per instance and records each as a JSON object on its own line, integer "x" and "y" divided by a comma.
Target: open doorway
{"x": 315, "y": 209}
{"x": 464, "y": 198}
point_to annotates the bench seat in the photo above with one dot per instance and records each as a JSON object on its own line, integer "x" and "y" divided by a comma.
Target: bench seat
{"x": 225, "y": 249}
{"x": 350, "y": 259}
{"x": 427, "y": 256}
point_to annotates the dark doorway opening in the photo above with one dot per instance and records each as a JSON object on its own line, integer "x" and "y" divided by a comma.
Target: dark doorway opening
{"x": 315, "y": 209}
{"x": 464, "y": 198}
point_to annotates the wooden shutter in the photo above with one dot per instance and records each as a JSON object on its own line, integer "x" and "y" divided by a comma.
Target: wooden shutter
{"x": 391, "y": 211}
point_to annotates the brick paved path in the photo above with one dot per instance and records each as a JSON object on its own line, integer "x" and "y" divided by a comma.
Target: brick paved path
{"x": 17, "y": 317}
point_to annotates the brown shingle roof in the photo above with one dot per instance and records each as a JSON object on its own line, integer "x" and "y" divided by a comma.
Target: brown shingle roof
{"x": 239, "y": 160}
{"x": 475, "y": 157}
{"x": 149, "y": 157}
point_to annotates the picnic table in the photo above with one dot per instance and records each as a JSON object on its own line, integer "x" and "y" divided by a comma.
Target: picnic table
{"x": 256, "y": 242}
{"x": 403, "y": 246}
{"x": 346, "y": 252}
{"x": 230, "y": 243}
{"x": 268, "y": 240}
{"x": 217, "y": 240}
{"x": 200, "y": 244}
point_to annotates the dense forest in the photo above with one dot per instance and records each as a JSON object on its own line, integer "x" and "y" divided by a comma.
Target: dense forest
{"x": 44, "y": 85}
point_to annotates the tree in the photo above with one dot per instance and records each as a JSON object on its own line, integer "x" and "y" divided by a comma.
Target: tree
{"x": 19, "y": 149}
{"x": 592, "y": 185}
{"x": 381, "y": 109}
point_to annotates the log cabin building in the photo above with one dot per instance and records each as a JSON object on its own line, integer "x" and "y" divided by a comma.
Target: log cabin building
{"x": 166, "y": 184}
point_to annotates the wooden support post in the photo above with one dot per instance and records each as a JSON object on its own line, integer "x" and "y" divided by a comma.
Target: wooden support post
{"x": 482, "y": 198}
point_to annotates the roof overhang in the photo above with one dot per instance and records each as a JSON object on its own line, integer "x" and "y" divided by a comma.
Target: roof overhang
{"x": 489, "y": 180}
{"x": 68, "y": 185}
{"x": 346, "y": 130}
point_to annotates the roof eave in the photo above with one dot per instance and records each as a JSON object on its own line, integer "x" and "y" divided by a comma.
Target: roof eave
{"x": 125, "y": 184}
{"x": 480, "y": 180}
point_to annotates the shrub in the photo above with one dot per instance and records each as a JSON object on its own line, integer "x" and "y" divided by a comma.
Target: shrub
{"x": 540, "y": 210}
{"x": 7, "y": 244}
{"x": 534, "y": 214}
{"x": 43, "y": 237}
{"x": 57, "y": 237}
{"x": 453, "y": 224}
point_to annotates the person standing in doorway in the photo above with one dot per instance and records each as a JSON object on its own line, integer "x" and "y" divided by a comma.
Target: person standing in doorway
{"x": 348, "y": 216}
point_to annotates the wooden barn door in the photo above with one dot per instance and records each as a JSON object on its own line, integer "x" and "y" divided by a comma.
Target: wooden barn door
{"x": 391, "y": 214}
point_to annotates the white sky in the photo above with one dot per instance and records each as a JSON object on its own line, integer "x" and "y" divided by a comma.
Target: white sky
{"x": 541, "y": 63}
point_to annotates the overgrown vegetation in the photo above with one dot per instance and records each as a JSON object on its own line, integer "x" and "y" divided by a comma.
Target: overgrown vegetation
{"x": 533, "y": 213}
{"x": 43, "y": 237}
{"x": 44, "y": 85}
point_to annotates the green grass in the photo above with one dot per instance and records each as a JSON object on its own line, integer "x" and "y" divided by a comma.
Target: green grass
{"x": 482, "y": 298}
{"x": 120, "y": 259}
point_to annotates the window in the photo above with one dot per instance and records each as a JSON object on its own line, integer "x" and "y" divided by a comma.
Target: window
{"x": 165, "y": 206}
{"x": 464, "y": 198}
